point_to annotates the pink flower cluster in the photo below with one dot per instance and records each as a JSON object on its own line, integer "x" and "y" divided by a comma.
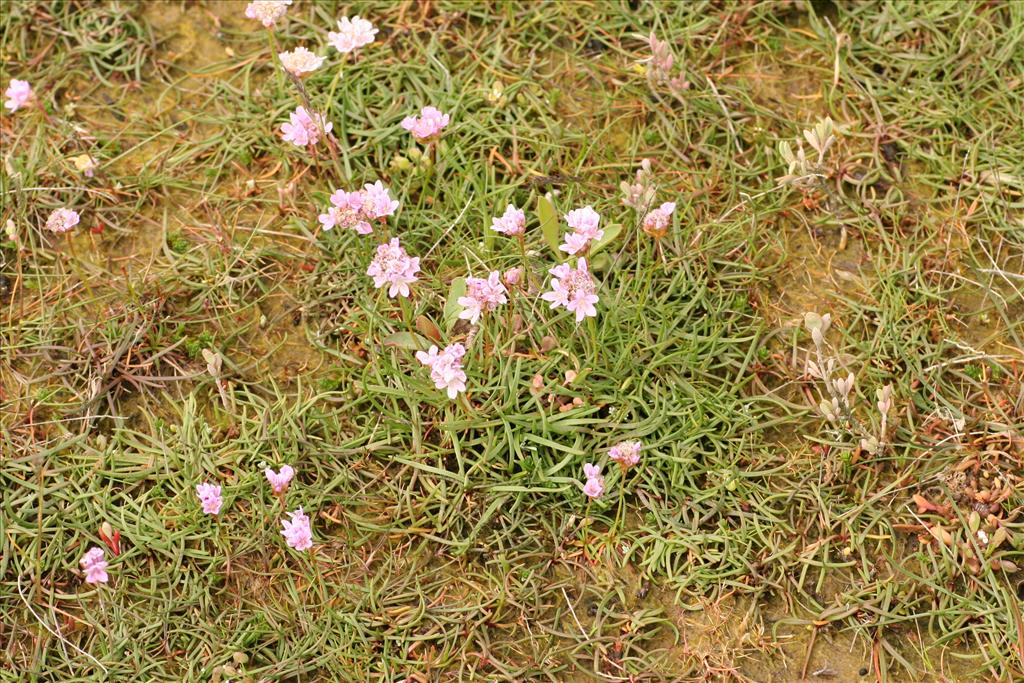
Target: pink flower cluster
{"x": 95, "y": 566}
{"x": 392, "y": 266}
{"x": 304, "y": 129}
{"x": 594, "y": 488}
{"x": 657, "y": 220}
{"x": 428, "y": 126}
{"x": 512, "y": 222}
{"x": 209, "y": 498}
{"x": 626, "y": 453}
{"x": 267, "y": 12}
{"x": 445, "y": 367}
{"x": 300, "y": 62}
{"x": 574, "y": 289}
{"x": 584, "y": 224}
{"x": 297, "y": 531}
{"x": 355, "y": 210}
{"x": 18, "y": 94}
{"x": 62, "y": 220}
{"x": 482, "y": 295}
{"x": 352, "y": 34}
{"x": 279, "y": 481}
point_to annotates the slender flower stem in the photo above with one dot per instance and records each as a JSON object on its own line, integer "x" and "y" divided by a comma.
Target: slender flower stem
{"x": 407, "y": 315}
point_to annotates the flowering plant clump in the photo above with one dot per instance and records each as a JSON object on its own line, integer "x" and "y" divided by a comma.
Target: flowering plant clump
{"x": 482, "y": 295}
{"x": 267, "y": 12}
{"x": 279, "y": 481}
{"x": 584, "y": 223}
{"x": 657, "y": 220}
{"x": 303, "y": 128}
{"x": 512, "y": 222}
{"x": 209, "y": 498}
{"x": 574, "y": 289}
{"x": 300, "y": 62}
{"x": 95, "y": 566}
{"x": 594, "y": 487}
{"x": 62, "y": 220}
{"x": 18, "y": 94}
{"x": 626, "y": 453}
{"x": 352, "y": 34}
{"x": 445, "y": 367}
{"x": 428, "y": 125}
{"x": 297, "y": 531}
{"x": 392, "y": 266}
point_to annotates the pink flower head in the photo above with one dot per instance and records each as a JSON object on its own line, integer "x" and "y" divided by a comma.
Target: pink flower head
{"x": 594, "y": 488}
{"x": 18, "y": 94}
{"x": 394, "y": 267}
{"x": 378, "y": 202}
{"x": 300, "y": 62}
{"x": 352, "y": 34}
{"x": 209, "y": 497}
{"x": 297, "y": 531}
{"x": 584, "y": 224}
{"x": 94, "y": 566}
{"x": 512, "y": 222}
{"x": 347, "y": 211}
{"x": 482, "y": 295}
{"x": 62, "y": 220}
{"x": 445, "y": 367}
{"x": 279, "y": 480}
{"x": 428, "y": 126}
{"x": 513, "y": 276}
{"x": 574, "y": 289}
{"x": 304, "y": 129}
{"x": 626, "y": 453}
{"x": 657, "y": 220}
{"x": 267, "y": 12}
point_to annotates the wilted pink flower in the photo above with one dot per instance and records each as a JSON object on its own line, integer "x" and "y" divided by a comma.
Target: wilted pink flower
{"x": 94, "y": 566}
{"x": 573, "y": 288}
{"x": 303, "y": 129}
{"x": 657, "y": 220}
{"x": 513, "y": 276}
{"x": 85, "y": 164}
{"x": 297, "y": 531}
{"x": 584, "y": 224}
{"x": 445, "y": 367}
{"x": 639, "y": 194}
{"x": 512, "y": 222}
{"x": 267, "y": 12}
{"x": 279, "y": 480}
{"x": 18, "y": 93}
{"x": 209, "y": 497}
{"x": 394, "y": 267}
{"x": 594, "y": 488}
{"x": 661, "y": 58}
{"x": 377, "y": 201}
{"x": 482, "y": 296}
{"x": 347, "y": 211}
{"x": 300, "y": 62}
{"x": 626, "y": 453}
{"x": 428, "y": 126}
{"x": 62, "y": 220}
{"x": 352, "y": 34}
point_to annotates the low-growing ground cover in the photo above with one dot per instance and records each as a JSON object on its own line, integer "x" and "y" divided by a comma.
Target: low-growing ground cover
{"x": 833, "y": 496}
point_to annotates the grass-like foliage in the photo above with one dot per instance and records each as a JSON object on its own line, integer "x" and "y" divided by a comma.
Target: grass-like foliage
{"x": 803, "y": 295}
